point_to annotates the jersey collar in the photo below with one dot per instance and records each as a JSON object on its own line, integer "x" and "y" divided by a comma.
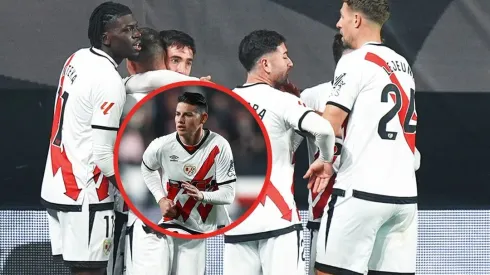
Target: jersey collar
{"x": 104, "y": 55}
{"x": 373, "y": 44}
{"x": 206, "y": 134}
{"x": 247, "y": 85}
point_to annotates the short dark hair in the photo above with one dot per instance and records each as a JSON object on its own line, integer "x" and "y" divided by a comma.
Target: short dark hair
{"x": 102, "y": 15}
{"x": 257, "y": 44}
{"x": 195, "y": 99}
{"x": 338, "y": 47}
{"x": 375, "y": 10}
{"x": 178, "y": 39}
{"x": 151, "y": 46}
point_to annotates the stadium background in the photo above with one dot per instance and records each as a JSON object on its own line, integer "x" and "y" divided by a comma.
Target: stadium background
{"x": 227, "y": 117}
{"x": 447, "y": 42}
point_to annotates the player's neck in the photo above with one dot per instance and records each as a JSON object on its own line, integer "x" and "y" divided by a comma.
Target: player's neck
{"x": 256, "y": 78}
{"x": 109, "y": 53}
{"x": 192, "y": 140}
{"x": 369, "y": 35}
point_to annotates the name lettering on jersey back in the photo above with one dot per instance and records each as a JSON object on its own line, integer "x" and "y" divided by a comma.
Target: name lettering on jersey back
{"x": 70, "y": 72}
{"x": 260, "y": 111}
{"x": 400, "y": 66}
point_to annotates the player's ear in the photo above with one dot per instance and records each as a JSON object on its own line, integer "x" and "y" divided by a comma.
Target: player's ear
{"x": 204, "y": 117}
{"x": 106, "y": 39}
{"x": 357, "y": 20}
{"x": 131, "y": 67}
{"x": 265, "y": 64}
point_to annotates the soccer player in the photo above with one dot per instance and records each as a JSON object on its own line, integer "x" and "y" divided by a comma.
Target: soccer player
{"x": 180, "y": 50}
{"x": 371, "y": 222}
{"x": 147, "y": 251}
{"x": 164, "y": 62}
{"x": 316, "y": 97}
{"x": 268, "y": 241}
{"x": 79, "y": 183}
{"x": 198, "y": 164}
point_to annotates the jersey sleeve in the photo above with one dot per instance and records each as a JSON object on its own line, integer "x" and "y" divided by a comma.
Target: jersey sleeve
{"x": 225, "y": 165}
{"x": 108, "y": 99}
{"x": 149, "y": 81}
{"x": 152, "y": 155}
{"x": 346, "y": 84}
{"x": 293, "y": 110}
{"x": 307, "y": 97}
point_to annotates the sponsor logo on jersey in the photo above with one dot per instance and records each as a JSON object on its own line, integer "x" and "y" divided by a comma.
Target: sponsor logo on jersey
{"x": 231, "y": 169}
{"x": 337, "y": 84}
{"x": 189, "y": 169}
{"x": 106, "y": 106}
{"x": 174, "y": 158}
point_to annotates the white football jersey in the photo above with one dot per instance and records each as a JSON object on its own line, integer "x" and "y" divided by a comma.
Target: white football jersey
{"x": 375, "y": 85}
{"x": 316, "y": 98}
{"x": 90, "y": 95}
{"x": 210, "y": 166}
{"x": 139, "y": 85}
{"x": 281, "y": 114}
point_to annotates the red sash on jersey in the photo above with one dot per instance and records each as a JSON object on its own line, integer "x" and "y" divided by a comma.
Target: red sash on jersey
{"x": 203, "y": 209}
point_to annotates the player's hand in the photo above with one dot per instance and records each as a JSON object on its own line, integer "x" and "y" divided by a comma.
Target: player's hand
{"x": 167, "y": 207}
{"x": 319, "y": 175}
{"x": 192, "y": 191}
{"x": 206, "y": 78}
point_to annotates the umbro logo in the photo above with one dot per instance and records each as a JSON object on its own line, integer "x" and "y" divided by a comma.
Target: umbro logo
{"x": 174, "y": 158}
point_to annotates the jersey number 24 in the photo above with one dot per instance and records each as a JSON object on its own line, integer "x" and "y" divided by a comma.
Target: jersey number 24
{"x": 405, "y": 109}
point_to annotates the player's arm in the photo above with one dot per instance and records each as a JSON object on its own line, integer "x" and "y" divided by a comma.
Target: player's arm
{"x": 108, "y": 98}
{"x": 306, "y": 120}
{"x": 346, "y": 88}
{"x": 149, "y": 170}
{"x": 225, "y": 178}
{"x": 418, "y": 157}
{"x": 149, "y": 81}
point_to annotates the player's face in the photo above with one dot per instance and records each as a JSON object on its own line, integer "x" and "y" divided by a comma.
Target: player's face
{"x": 179, "y": 59}
{"x": 187, "y": 119}
{"x": 346, "y": 24}
{"x": 280, "y": 64}
{"x": 123, "y": 37}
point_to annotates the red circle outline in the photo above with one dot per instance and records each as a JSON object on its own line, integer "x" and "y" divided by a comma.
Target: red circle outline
{"x": 150, "y": 223}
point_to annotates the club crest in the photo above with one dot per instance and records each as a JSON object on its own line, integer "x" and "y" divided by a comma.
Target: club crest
{"x": 107, "y": 246}
{"x": 189, "y": 169}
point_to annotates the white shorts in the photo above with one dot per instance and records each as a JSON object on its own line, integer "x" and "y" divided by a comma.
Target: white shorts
{"x": 272, "y": 256}
{"x": 84, "y": 239}
{"x": 360, "y": 235}
{"x": 116, "y": 259}
{"x": 153, "y": 253}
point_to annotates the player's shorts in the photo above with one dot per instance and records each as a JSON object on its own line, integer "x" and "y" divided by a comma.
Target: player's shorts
{"x": 363, "y": 232}
{"x": 277, "y": 255}
{"x": 150, "y": 252}
{"x": 84, "y": 239}
{"x": 116, "y": 259}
